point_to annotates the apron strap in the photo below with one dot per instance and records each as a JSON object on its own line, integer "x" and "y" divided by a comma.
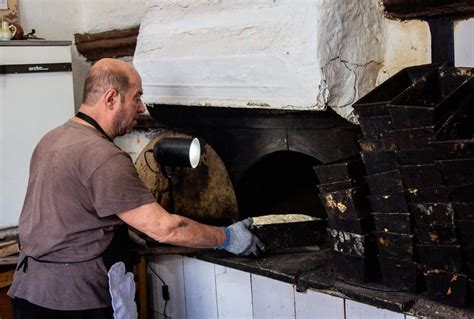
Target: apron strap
{"x": 94, "y": 123}
{"x": 23, "y": 264}
{"x": 118, "y": 250}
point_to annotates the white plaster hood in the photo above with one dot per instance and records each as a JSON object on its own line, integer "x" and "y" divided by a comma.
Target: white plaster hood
{"x": 288, "y": 54}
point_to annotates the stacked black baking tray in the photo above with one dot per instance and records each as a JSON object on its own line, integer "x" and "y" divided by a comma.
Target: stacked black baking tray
{"x": 455, "y": 159}
{"x": 419, "y": 116}
{"x": 395, "y": 233}
{"x": 393, "y": 221}
{"x": 343, "y": 193}
{"x": 418, "y": 151}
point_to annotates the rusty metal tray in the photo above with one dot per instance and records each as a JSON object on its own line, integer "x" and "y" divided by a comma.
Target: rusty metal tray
{"x": 401, "y": 275}
{"x": 361, "y": 225}
{"x": 385, "y": 183}
{"x": 374, "y": 103}
{"x": 379, "y": 162}
{"x": 432, "y": 98}
{"x": 293, "y": 234}
{"x": 336, "y": 186}
{"x": 464, "y": 210}
{"x": 336, "y": 172}
{"x": 376, "y": 126}
{"x": 377, "y": 144}
{"x": 422, "y": 175}
{"x": 446, "y": 287}
{"x": 457, "y": 171}
{"x": 428, "y": 194}
{"x": 414, "y": 138}
{"x": 356, "y": 269}
{"x": 395, "y": 245}
{"x": 353, "y": 244}
{"x": 453, "y": 149}
{"x": 461, "y": 193}
{"x": 437, "y": 235}
{"x": 443, "y": 257}
{"x": 416, "y": 156}
{"x": 400, "y": 223}
{"x": 348, "y": 203}
{"x": 433, "y": 214}
{"x": 389, "y": 203}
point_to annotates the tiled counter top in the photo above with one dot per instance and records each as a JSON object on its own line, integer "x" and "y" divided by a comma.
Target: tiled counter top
{"x": 315, "y": 270}
{"x": 311, "y": 270}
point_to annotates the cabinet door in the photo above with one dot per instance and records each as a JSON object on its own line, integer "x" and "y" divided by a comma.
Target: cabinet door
{"x": 31, "y": 104}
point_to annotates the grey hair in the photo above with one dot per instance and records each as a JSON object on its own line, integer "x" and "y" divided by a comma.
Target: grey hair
{"x": 100, "y": 79}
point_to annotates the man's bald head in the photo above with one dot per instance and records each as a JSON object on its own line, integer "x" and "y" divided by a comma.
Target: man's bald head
{"x": 106, "y": 74}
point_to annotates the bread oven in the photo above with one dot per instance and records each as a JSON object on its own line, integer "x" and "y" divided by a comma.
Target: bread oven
{"x": 274, "y": 105}
{"x": 268, "y": 156}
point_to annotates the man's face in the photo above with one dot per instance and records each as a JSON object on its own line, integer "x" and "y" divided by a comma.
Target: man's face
{"x": 131, "y": 106}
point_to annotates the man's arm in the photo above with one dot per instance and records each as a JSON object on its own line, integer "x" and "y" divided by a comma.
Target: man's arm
{"x": 154, "y": 221}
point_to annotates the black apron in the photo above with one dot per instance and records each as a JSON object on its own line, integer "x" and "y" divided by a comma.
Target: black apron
{"x": 119, "y": 249}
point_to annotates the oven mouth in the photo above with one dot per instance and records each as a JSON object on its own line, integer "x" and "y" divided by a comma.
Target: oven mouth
{"x": 280, "y": 183}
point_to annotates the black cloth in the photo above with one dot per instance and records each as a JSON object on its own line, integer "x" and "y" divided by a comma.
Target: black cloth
{"x": 120, "y": 250}
{"x": 23, "y": 309}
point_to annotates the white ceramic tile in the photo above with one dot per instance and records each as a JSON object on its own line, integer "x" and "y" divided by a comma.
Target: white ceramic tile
{"x": 272, "y": 298}
{"x": 200, "y": 289}
{"x": 170, "y": 269}
{"x": 312, "y": 304}
{"x": 357, "y": 310}
{"x": 234, "y": 293}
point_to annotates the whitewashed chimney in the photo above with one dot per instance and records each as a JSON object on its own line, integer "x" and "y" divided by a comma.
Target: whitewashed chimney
{"x": 288, "y": 54}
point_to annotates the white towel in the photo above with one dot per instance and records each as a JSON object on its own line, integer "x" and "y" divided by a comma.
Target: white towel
{"x": 122, "y": 291}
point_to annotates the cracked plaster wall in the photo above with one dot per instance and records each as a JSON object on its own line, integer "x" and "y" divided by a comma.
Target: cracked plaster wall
{"x": 351, "y": 43}
{"x": 304, "y": 54}
{"x": 407, "y": 43}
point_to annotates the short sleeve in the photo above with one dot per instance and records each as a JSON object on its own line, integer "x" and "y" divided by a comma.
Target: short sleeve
{"x": 115, "y": 187}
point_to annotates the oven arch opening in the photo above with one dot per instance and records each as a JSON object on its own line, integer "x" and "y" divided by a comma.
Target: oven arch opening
{"x": 281, "y": 182}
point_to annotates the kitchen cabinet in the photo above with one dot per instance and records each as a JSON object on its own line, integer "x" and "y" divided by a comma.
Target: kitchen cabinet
{"x": 36, "y": 95}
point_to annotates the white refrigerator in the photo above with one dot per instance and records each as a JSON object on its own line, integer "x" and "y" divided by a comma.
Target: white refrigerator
{"x": 36, "y": 95}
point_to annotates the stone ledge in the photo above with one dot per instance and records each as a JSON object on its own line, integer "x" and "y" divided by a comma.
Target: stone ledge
{"x": 427, "y": 9}
{"x": 108, "y": 44}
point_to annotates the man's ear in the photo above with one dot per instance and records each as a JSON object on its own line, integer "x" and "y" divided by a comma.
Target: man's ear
{"x": 111, "y": 97}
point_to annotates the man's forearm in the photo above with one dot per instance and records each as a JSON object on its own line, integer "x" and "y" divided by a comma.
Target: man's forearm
{"x": 183, "y": 231}
{"x": 158, "y": 224}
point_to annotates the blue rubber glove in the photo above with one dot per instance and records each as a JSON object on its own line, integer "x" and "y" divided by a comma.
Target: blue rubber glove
{"x": 240, "y": 240}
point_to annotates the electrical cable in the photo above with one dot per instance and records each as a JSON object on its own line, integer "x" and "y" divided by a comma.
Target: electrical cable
{"x": 164, "y": 289}
{"x": 146, "y": 161}
{"x": 169, "y": 177}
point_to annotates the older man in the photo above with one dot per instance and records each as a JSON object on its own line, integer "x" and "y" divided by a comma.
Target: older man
{"x": 82, "y": 189}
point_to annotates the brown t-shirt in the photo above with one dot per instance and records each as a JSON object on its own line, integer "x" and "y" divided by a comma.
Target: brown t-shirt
{"x": 78, "y": 182}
